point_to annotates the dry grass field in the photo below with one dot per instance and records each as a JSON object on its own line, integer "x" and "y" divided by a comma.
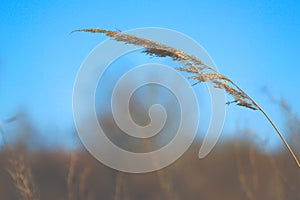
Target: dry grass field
{"x": 234, "y": 170}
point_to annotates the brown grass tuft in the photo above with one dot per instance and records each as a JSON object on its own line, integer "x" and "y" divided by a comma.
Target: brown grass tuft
{"x": 18, "y": 169}
{"x": 20, "y": 173}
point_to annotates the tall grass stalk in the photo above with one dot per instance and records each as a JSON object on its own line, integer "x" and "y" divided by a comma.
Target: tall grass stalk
{"x": 202, "y": 72}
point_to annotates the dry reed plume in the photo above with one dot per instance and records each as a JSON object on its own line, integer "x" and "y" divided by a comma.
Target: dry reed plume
{"x": 202, "y": 72}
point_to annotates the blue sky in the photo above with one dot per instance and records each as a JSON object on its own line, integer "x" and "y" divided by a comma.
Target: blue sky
{"x": 255, "y": 43}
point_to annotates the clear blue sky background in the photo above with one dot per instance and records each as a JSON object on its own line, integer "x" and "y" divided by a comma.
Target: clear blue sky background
{"x": 255, "y": 43}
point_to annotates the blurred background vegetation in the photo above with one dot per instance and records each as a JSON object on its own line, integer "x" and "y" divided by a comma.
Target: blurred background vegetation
{"x": 243, "y": 168}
